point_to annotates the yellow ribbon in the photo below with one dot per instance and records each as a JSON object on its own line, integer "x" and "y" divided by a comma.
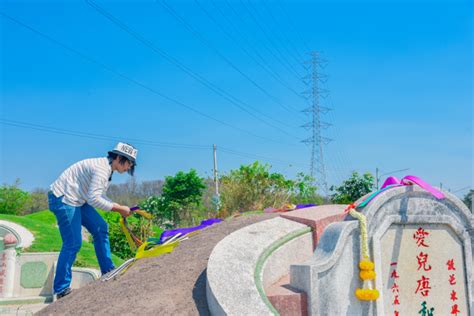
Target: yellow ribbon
{"x": 155, "y": 251}
{"x": 131, "y": 242}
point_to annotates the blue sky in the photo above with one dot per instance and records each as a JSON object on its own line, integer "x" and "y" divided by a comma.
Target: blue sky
{"x": 399, "y": 76}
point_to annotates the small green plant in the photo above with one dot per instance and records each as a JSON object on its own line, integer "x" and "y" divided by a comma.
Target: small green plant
{"x": 118, "y": 243}
{"x": 13, "y": 200}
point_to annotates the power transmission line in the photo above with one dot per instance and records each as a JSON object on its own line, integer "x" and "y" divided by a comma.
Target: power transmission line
{"x": 285, "y": 39}
{"x": 237, "y": 15}
{"x": 222, "y": 93}
{"x": 268, "y": 37}
{"x": 206, "y": 42}
{"x": 262, "y": 65}
{"x": 137, "y": 141}
{"x": 243, "y": 154}
{"x": 275, "y": 35}
{"x": 108, "y": 68}
{"x": 293, "y": 24}
{"x": 317, "y": 141}
{"x": 61, "y": 131}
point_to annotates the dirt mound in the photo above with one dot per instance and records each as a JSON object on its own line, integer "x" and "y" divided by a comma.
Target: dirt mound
{"x": 172, "y": 284}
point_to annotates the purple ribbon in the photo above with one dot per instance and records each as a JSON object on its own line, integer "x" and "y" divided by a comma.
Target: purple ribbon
{"x": 305, "y": 205}
{"x": 186, "y": 230}
{"x": 392, "y": 182}
{"x": 410, "y": 180}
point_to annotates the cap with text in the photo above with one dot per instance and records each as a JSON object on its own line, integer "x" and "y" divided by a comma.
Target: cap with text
{"x": 126, "y": 150}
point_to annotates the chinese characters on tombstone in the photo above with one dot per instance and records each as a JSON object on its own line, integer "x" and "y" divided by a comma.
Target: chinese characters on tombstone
{"x": 420, "y": 271}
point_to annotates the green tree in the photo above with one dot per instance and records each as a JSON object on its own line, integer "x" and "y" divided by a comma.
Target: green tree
{"x": 180, "y": 202}
{"x": 13, "y": 200}
{"x": 254, "y": 187}
{"x": 468, "y": 200}
{"x": 353, "y": 188}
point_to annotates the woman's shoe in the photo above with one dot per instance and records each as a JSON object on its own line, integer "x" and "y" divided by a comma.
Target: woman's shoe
{"x": 65, "y": 292}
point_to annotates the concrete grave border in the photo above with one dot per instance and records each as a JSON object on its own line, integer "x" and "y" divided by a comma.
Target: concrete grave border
{"x": 237, "y": 265}
{"x": 23, "y": 236}
{"x": 262, "y": 260}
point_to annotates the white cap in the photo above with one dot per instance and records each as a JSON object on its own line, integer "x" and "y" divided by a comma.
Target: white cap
{"x": 125, "y": 150}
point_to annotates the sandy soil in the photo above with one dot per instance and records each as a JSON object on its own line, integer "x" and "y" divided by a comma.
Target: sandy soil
{"x": 172, "y": 284}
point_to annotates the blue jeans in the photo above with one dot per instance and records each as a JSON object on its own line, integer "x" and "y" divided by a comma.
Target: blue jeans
{"x": 70, "y": 219}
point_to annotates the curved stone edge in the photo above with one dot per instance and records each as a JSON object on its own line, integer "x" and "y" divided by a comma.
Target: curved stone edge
{"x": 263, "y": 258}
{"x": 24, "y": 236}
{"x": 231, "y": 272}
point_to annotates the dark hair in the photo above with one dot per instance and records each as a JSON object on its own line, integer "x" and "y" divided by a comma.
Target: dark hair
{"x": 122, "y": 160}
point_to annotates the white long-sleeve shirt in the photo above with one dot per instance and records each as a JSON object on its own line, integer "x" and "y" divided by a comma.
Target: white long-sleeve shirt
{"x": 85, "y": 181}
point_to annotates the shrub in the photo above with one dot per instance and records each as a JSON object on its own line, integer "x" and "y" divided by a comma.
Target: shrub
{"x": 13, "y": 200}
{"x": 140, "y": 227}
{"x": 253, "y": 187}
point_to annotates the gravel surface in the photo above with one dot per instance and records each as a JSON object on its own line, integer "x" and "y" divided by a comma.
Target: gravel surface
{"x": 172, "y": 284}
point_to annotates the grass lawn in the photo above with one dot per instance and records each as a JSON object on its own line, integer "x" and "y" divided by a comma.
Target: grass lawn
{"x": 43, "y": 226}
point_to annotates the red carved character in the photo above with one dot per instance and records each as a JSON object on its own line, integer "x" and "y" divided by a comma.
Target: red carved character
{"x": 423, "y": 286}
{"x": 420, "y": 236}
{"x": 452, "y": 279}
{"x": 395, "y": 288}
{"x": 455, "y": 310}
{"x": 422, "y": 261}
{"x": 453, "y": 296}
{"x": 450, "y": 264}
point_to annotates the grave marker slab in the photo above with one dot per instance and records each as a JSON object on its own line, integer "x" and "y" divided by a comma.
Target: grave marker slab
{"x": 423, "y": 253}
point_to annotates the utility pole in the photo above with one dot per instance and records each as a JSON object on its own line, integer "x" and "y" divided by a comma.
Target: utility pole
{"x": 216, "y": 180}
{"x": 316, "y": 140}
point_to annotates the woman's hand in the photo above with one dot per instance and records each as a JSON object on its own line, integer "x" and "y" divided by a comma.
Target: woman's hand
{"x": 122, "y": 209}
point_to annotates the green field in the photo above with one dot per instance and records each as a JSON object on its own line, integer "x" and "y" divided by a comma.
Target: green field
{"x": 44, "y": 228}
